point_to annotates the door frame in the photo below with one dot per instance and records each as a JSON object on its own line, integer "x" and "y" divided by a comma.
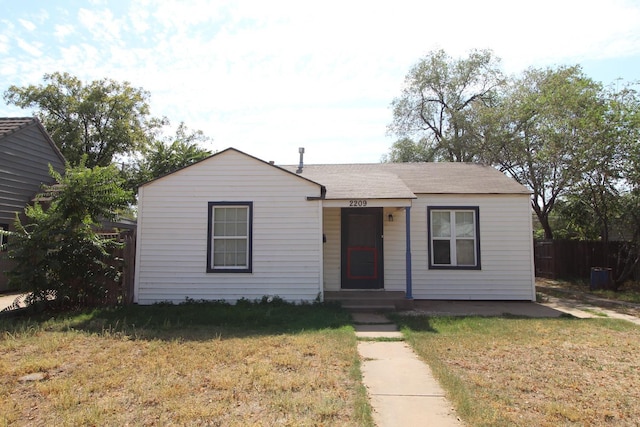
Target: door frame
{"x": 375, "y": 282}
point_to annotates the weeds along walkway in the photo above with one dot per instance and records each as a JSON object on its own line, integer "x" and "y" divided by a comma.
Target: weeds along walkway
{"x": 401, "y": 387}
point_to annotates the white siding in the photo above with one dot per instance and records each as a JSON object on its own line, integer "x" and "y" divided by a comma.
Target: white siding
{"x": 171, "y": 260}
{"x": 331, "y": 230}
{"x": 506, "y": 248}
{"x": 395, "y": 249}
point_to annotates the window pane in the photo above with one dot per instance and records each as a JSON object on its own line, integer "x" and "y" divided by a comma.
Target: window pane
{"x": 231, "y": 222}
{"x": 218, "y": 229}
{"x": 241, "y": 221}
{"x": 230, "y": 257}
{"x": 230, "y": 229}
{"x": 219, "y": 214}
{"x": 229, "y": 252}
{"x": 441, "y": 224}
{"x": 441, "y": 252}
{"x": 240, "y": 252}
{"x": 219, "y": 249}
{"x": 465, "y": 252}
{"x": 464, "y": 224}
{"x": 242, "y": 229}
{"x": 230, "y": 237}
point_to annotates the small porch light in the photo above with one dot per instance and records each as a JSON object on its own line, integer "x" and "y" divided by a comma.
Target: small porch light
{"x": 390, "y": 217}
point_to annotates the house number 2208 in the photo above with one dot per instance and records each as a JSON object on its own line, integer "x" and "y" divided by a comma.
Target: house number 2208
{"x": 358, "y": 203}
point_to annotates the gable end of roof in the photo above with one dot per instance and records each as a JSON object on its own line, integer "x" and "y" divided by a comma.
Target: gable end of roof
{"x": 231, "y": 149}
{"x": 10, "y": 125}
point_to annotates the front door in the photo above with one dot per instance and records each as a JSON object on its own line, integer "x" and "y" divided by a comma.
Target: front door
{"x": 362, "y": 264}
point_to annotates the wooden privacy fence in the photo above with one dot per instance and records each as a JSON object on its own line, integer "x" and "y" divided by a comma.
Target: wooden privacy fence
{"x": 121, "y": 291}
{"x": 572, "y": 259}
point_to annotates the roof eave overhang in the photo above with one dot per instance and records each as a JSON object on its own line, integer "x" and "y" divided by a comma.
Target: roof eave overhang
{"x": 368, "y": 202}
{"x": 478, "y": 193}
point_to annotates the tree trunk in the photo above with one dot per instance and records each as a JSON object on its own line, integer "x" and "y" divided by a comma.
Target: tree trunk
{"x": 544, "y": 222}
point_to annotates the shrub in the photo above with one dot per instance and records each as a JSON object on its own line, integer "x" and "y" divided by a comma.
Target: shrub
{"x": 60, "y": 259}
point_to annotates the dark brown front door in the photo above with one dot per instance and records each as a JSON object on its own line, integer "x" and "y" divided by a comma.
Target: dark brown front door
{"x": 362, "y": 264}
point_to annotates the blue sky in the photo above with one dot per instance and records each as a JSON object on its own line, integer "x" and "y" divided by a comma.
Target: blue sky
{"x": 267, "y": 77}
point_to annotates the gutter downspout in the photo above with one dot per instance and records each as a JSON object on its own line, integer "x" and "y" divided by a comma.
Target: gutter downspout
{"x": 409, "y": 291}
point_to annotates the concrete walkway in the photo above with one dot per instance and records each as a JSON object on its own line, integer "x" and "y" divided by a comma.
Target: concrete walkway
{"x": 401, "y": 387}
{"x": 586, "y": 310}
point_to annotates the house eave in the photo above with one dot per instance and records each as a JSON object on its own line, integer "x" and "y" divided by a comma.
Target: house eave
{"x": 368, "y": 202}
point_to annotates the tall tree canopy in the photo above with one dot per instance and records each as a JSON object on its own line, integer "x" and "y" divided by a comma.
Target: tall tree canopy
{"x": 99, "y": 120}
{"x": 168, "y": 155}
{"x": 608, "y": 191}
{"x": 543, "y": 123}
{"x": 407, "y": 150}
{"x": 442, "y": 101}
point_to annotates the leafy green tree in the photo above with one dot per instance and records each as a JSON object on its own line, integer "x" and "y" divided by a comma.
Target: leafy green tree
{"x": 606, "y": 161}
{"x": 100, "y": 120}
{"x": 543, "y": 122}
{"x": 407, "y": 150}
{"x": 59, "y": 257}
{"x": 608, "y": 189}
{"x": 442, "y": 101}
{"x": 165, "y": 156}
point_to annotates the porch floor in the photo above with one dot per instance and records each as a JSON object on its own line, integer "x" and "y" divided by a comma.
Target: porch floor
{"x": 366, "y": 300}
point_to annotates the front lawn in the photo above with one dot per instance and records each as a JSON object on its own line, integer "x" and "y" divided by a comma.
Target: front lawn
{"x": 533, "y": 372}
{"x": 191, "y": 364}
{"x": 625, "y": 300}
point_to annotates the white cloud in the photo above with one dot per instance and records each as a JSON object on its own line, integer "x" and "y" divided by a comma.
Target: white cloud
{"x": 4, "y": 44}
{"x": 32, "y": 48}
{"x": 62, "y": 31}
{"x": 102, "y": 24}
{"x": 139, "y": 16}
{"x": 276, "y": 75}
{"x": 28, "y": 25}
{"x": 269, "y": 76}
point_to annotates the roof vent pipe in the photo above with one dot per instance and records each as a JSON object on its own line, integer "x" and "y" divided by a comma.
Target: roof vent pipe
{"x": 301, "y": 165}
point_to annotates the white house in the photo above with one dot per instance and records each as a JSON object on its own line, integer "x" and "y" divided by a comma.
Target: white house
{"x": 233, "y": 226}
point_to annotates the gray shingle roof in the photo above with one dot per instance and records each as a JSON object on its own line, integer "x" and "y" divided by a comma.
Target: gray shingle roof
{"x": 11, "y": 124}
{"x": 405, "y": 180}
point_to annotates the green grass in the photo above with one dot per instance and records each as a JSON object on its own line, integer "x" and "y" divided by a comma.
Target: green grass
{"x": 523, "y": 372}
{"x": 189, "y": 364}
{"x": 625, "y": 294}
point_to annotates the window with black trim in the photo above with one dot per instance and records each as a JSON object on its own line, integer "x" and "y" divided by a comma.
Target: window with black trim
{"x": 229, "y": 237}
{"x": 3, "y": 238}
{"x": 454, "y": 237}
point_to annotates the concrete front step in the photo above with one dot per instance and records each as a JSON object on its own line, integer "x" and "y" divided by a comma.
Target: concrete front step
{"x": 370, "y": 300}
{"x": 368, "y": 307}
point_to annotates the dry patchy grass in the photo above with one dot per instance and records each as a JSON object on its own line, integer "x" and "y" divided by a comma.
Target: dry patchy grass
{"x": 626, "y": 300}
{"x": 542, "y": 372}
{"x": 185, "y": 375}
